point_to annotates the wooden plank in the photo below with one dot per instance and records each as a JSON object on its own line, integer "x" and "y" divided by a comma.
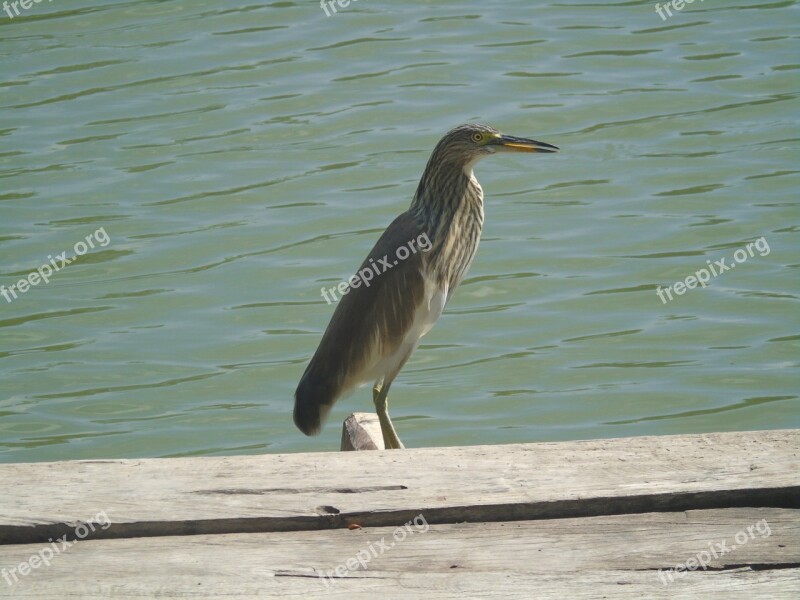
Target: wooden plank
{"x": 511, "y": 585}
{"x": 362, "y": 431}
{"x": 293, "y": 492}
{"x": 595, "y": 557}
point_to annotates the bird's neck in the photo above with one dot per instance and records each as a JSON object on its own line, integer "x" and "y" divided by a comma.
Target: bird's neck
{"x": 449, "y": 205}
{"x": 445, "y": 193}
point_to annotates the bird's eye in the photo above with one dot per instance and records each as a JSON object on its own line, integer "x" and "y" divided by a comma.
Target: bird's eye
{"x": 477, "y": 137}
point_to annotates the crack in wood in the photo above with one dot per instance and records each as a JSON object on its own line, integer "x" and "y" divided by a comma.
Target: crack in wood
{"x": 727, "y": 567}
{"x": 310, "y": 490}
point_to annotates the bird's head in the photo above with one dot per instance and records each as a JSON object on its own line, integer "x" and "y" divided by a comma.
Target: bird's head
{"x": 468, "y": 143}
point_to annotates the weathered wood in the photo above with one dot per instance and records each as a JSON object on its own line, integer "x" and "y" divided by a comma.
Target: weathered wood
{"x": 293, "y": 492}
{"x": 362, "y": 431}
{"x": 252, "y": 582}
{"x": 596, "y": 557}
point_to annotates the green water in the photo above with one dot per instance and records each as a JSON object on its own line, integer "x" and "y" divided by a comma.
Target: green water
{"x": 240, "y": 156}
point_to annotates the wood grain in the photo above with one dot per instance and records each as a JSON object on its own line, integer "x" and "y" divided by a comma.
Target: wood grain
{"x": 594, "y": 557}
{"x": 362, "y": 431}
{"x": 291, "y": 492}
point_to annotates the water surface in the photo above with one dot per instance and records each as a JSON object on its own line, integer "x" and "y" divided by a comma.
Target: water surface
{"x": 241, "y": 156}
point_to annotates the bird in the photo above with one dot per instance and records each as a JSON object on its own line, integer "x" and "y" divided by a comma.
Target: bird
{"x": 377, "y": 324}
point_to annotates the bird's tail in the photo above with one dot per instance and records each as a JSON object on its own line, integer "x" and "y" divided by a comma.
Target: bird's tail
{"x": 313, "y": 400}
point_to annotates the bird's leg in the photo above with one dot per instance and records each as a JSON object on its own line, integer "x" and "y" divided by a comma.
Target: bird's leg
{"x": 390, "y": 439}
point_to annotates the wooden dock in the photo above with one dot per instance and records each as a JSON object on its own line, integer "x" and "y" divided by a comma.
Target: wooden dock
{"x": 690, "y": 516}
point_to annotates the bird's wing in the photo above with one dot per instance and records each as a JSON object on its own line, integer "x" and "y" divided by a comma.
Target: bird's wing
{"x": 377, "y": 322}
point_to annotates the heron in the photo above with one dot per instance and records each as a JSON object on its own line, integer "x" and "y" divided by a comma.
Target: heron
{"x": 378, "y": 324}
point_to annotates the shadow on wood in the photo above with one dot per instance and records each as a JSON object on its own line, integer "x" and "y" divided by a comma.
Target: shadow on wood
{"x": 627, "y": 519}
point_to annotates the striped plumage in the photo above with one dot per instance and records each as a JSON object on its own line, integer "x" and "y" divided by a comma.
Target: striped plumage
{"x": 454, "y": 220}
{"x": 374, "y": 329}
